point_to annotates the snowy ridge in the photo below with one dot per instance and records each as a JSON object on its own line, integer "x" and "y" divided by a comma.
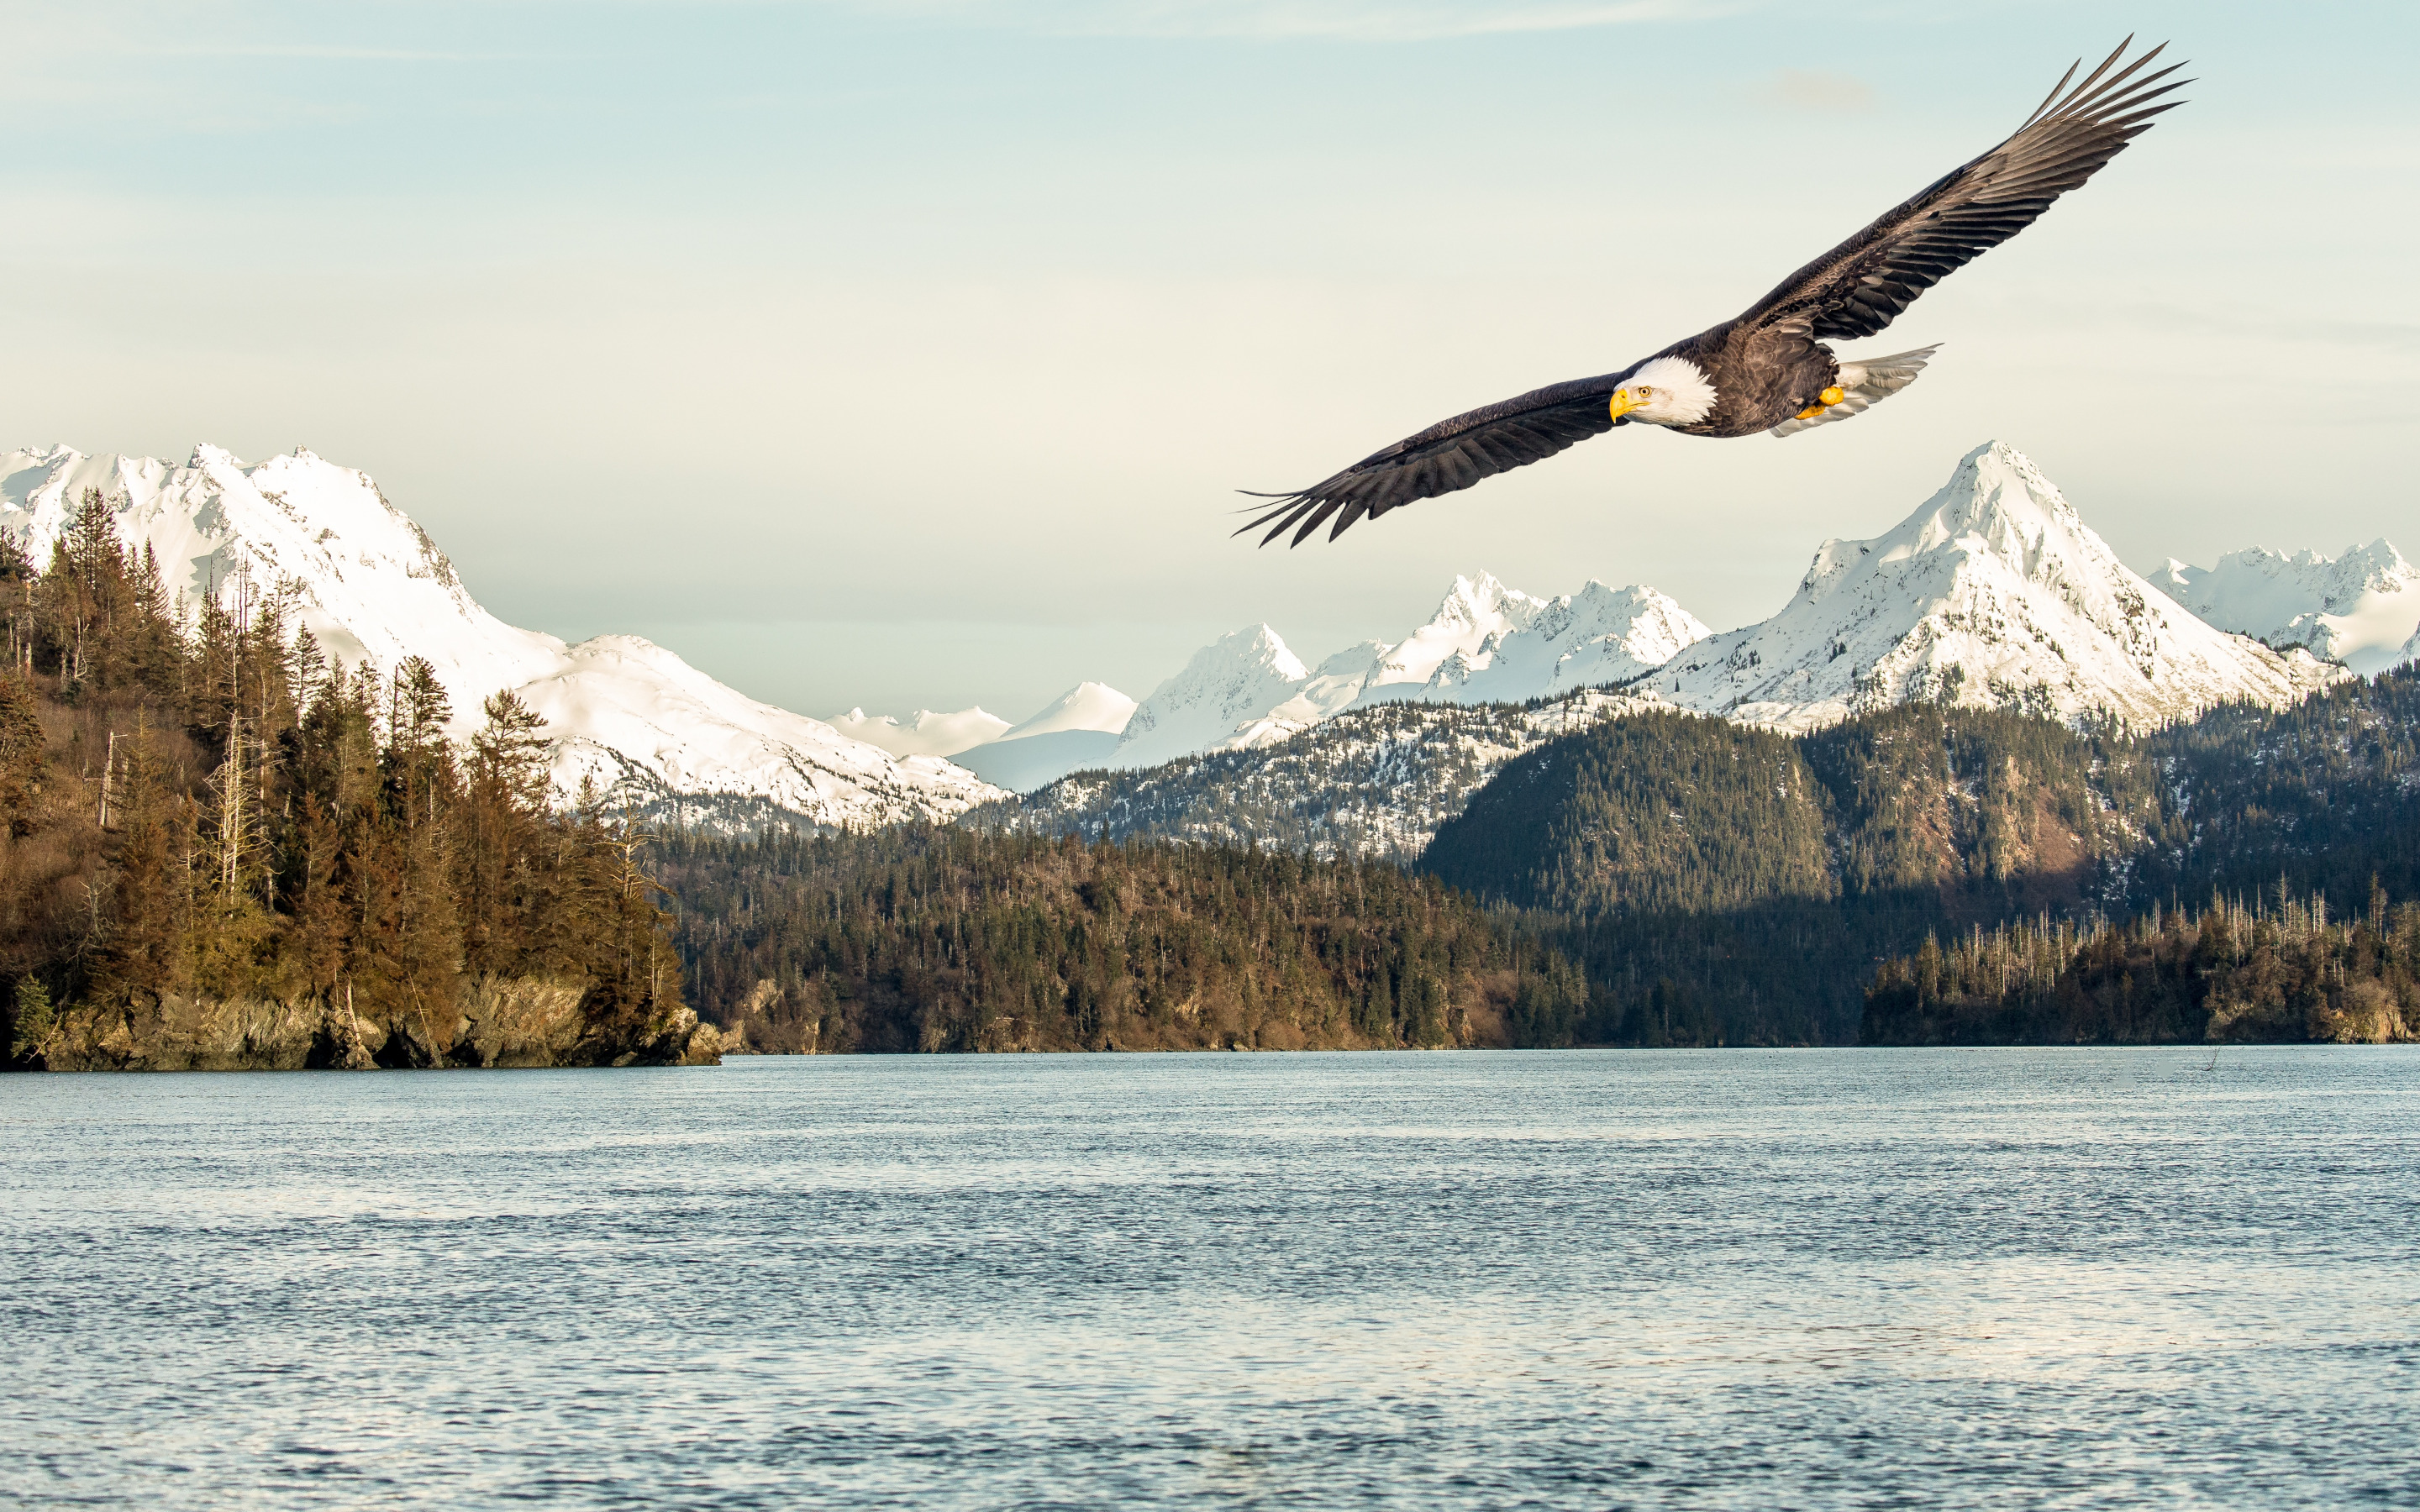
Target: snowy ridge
{"x": 1993, "y": 594}
{"x": 373, "y": 585}
{"x": 1591, "y": 639}
{"x": 2357, "y": 608}
{"x": 1223, "y": 698}
{"x": 923, "y": 732}
{"x": 1475, "y": 617}
{"x": 1094, "y": 708}
{"x": 1486, "y": 644}
{"x": 647, "y": 728}
{"x": 1077, "y": 730}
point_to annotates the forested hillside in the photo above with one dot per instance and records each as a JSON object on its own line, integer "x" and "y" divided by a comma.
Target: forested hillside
{"x": 219, "y": 849}
{"x": 1752, "y": 883}
{"x": 1715, "y": 884}
{"x": 916, "y": 938}
{"x": 2277, "y": 968}
{"x": 2326, "y": 793}
{"x": 1373, "y": 783}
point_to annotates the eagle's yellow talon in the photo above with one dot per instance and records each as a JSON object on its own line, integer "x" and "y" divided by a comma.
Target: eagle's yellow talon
{"x": 1812, "y": 412}
{"x": 1831, "y": 397}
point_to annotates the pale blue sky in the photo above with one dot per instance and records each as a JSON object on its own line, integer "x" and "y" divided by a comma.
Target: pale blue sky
{"x": 904, "y": 355}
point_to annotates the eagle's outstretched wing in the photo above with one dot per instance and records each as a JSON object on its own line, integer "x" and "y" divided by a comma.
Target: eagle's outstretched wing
{"x": 1449, "y": 455}
{"x": 1862, "y": 284}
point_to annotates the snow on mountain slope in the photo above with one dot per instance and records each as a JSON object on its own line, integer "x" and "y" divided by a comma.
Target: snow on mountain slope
{"x": 2411, "y": 651}
{"x": 370, "y": 584}
{"x": 924, "y": 733}
{"x": 2357, "y": 608}
{"x": 1595, "y": 636}
{"x": 373, "y": 584}
{"x": 1486, "y": 644}
{"x": 1077, "y": 730}
{"x": 1094, "y": 707}
{"x": 1374, "y": 781}
{"x": 1992, "y": 594}
{"x": 1036, "y": 762}
{"x": 1222, "y": 699}
{"x": 647, "y": 727}
{"x": 1477, "y": 612}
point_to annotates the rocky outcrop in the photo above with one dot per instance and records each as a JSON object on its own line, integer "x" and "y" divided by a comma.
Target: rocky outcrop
{"x": 523, "y": 1022}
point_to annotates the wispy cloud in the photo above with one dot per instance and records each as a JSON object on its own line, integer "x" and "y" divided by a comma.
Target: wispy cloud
{"x": 1341, "y": 19}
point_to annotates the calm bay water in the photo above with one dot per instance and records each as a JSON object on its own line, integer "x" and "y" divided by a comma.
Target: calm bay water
{"x": 1857, "y": 1278}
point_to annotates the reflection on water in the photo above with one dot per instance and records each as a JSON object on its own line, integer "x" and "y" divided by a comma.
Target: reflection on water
{"x": 2072, "y": 1278}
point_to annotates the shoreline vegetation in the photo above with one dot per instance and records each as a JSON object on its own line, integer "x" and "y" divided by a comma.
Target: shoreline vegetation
{"x": 221, "y": 849}
{"x": 225, "y": 850}
{"x": 926, "y": 938}
{"x": 2276, "y": 970}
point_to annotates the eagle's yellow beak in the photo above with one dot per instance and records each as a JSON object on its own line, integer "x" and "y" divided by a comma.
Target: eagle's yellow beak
{"x": 1623, "y": 402}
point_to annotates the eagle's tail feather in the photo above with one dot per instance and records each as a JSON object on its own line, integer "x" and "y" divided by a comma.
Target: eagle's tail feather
{"x": 1864, "y": 384}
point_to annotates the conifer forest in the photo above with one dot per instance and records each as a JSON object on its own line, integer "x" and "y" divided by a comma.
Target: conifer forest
{"x": 226, "y": 849}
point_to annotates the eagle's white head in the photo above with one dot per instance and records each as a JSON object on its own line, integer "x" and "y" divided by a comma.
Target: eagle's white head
{"x": 1669, "y": 391}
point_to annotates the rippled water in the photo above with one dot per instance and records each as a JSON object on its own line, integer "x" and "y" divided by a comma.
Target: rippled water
{"x": 1857, "y": 1278}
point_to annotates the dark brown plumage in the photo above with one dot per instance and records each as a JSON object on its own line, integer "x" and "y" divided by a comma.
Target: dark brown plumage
{"x": 1769, "y": 364}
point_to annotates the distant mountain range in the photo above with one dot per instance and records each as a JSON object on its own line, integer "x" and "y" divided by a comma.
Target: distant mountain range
{"x": 1992, "y": 594}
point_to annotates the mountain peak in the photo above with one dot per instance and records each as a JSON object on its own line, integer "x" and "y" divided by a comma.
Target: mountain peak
{"x": 1993, "y": 593}
{"x": 1999, "y": 498}
{"x": 2356, "y": 607}
{"x": 1094, "y": 707}
{"x": 1218, "y": 699}
{"x": 1474, "y": 600}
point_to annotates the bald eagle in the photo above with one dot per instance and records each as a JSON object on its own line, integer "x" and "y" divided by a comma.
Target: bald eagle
{"x": 1769, "y": 370}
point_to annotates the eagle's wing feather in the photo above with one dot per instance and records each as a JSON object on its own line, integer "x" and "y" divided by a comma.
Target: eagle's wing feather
{"x": 1447, "y": 457}
{"x": 1862, "y": 284}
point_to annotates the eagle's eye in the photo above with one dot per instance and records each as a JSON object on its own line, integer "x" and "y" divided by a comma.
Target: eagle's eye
{"x": 1646, "y": 392}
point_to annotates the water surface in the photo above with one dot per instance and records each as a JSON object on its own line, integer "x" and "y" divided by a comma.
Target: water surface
{"x": 2069, "y": 1278}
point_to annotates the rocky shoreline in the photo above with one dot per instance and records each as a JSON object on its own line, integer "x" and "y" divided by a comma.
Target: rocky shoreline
{"x": 520, "y": 1021}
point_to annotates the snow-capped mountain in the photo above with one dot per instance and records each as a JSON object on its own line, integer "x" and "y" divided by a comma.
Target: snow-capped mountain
{"x": 1591, "y": 639}
{"x": 369, "y": 585}
{"x": 657, "y": 735}
{"x": 924, "y": 733}
{"x": 1476, "y": 615}
{"x": 1076, "y": 729}
{"x": 1087, "y": 708}
{"x": 1485, "y": 643}
{"x": 1222, "y": 699}
{"x": 2357, "y": 608}
{"x": 1993, "y": 593}
{"x": 373, "y": 583}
